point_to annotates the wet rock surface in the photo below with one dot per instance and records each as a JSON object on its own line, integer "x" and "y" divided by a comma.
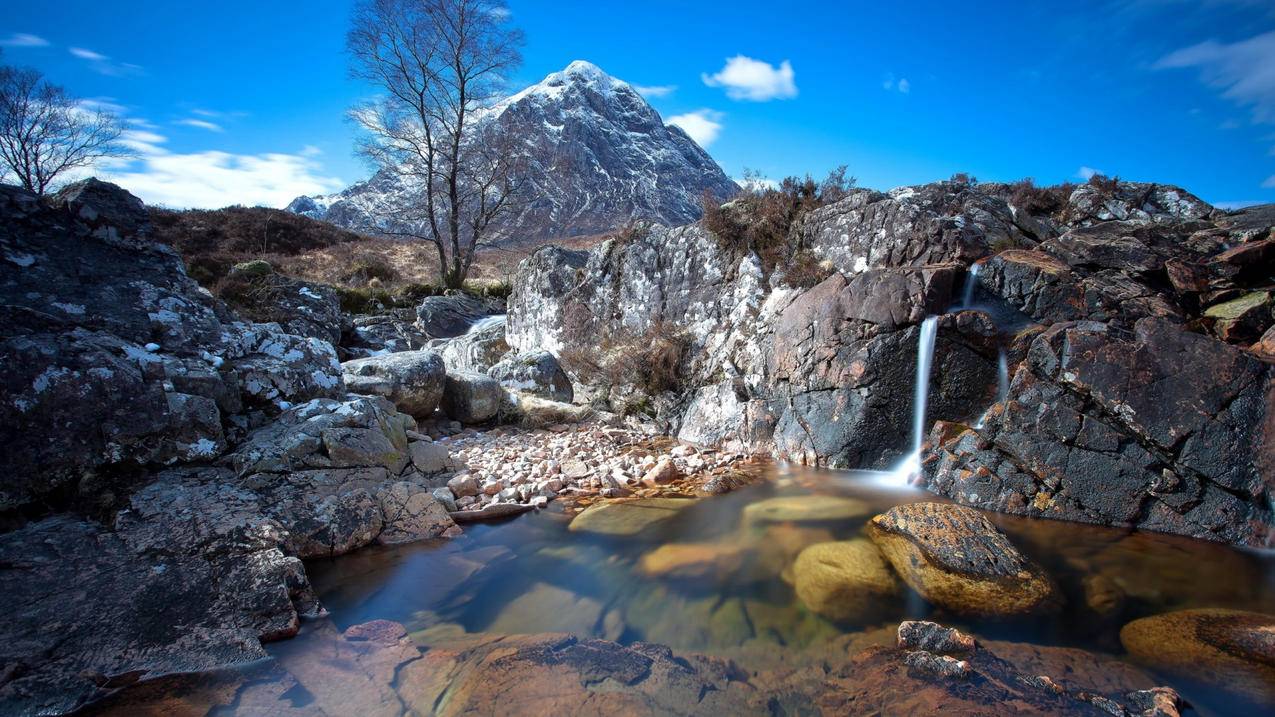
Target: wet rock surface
{"x": 955, "y": 558}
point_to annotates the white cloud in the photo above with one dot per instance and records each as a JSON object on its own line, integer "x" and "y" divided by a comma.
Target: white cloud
{"x": 205, "y": 113}
{"x": 747, "y": 79}
{"x": 1086, "y": 173}
{"x": 1244, "y": 70}
{"x": 213, "y": 179}
{"x": 703, "y": 126}
{"x": 650, "y": 91}
{"x": 1269, "y": 183}
{"x": 202, "y": 124}
{"x": 22, "y": 39}
{"x": 903, "y": 85}
{"x": 103, "y": 64}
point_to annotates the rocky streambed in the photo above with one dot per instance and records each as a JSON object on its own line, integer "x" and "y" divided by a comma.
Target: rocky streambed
{"x": 809, "y": 591}
{"x": 592, "y": 504}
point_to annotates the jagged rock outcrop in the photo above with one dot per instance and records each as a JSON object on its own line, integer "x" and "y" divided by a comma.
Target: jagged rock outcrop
{"x": 1138, "y": 287}
{"x": 115, "y": 357}
{"x": 591, "y": 156}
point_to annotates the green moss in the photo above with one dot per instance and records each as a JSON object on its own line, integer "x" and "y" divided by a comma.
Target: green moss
{"x": 1237, "y": 308}
{"x": 253, "y": 268}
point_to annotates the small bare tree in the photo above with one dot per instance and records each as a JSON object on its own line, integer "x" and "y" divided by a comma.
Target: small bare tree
{"x": 46, "y": 133}
{"x": 438, "y": 63}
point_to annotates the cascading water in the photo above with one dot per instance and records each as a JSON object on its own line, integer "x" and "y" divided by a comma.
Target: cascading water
{"x": 911, "y": 465}
{"x": 971, "y": 280}
{"x": 484, "y": 323}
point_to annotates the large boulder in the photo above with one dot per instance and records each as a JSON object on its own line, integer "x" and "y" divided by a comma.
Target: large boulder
{"x": 954, "y": 557}
{"x": 1102, "y": 200}
{"x": 412, "y": 380}
{"x": 472, "y": 398}
{"x": 537, "y": 373}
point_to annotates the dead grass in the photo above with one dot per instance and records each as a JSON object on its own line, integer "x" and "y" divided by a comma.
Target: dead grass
{"x": 650, "y": 360}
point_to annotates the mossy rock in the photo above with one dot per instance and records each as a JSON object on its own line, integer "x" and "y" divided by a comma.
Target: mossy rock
{"x": 256, "y": 267}
{"x": 1237, "y": 308}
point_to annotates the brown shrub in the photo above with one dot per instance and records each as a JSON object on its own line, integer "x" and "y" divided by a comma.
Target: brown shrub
{"x": 650, "y": 359}
{"x": 255, "y": 296}
{"x": 1047, "y": 201}
{"x": 1107, "y": 186}
{"x": 805, "y": 270}
{"x": 760, "y": 220}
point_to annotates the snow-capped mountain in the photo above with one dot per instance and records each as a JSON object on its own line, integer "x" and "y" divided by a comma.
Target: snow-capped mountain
{"x": 596, "y": 155}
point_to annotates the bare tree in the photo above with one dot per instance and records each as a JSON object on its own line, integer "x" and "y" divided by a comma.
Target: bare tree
{"x": 438, "y": 63}
{"x": 46, "y": 133}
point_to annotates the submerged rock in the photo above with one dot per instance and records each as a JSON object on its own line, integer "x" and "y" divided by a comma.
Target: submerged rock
{"x": 955, "y": 558}
{"x": 628, "y": 517}
{"x": 847, "y": 581}
{"x": 804, "y": 509}
{"x": 694, "y": 561}
{"x": 1226, "y": 647}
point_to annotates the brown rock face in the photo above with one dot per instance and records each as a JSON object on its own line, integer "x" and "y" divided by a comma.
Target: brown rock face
{"x": 955, "y": 558}
{"x": 1230, "y": 646}
{"x": 1165, "y": 429}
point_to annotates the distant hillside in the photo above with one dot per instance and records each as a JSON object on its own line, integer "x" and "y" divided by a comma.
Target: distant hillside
{"x": 594, "y": 156}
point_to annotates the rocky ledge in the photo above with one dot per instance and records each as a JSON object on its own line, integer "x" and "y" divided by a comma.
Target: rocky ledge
{"x": 1102, "y": 352}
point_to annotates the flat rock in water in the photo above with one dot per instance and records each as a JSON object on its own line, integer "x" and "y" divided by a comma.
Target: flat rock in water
{"x": 490, "y": 512}
{"x": 549, "y": 608}
{"x": 805, "y": 509}
{"x": 955, "y": 558}
{"x": 1230, "y": 647}
{"x": 693, "y": 560}
{"x": 629, "y": 517}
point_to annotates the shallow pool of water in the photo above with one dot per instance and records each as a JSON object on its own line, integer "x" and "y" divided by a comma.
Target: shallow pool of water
{"x": 728, "y": 593}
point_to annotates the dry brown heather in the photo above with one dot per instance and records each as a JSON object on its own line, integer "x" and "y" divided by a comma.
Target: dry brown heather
{"x": 213, "y": 241}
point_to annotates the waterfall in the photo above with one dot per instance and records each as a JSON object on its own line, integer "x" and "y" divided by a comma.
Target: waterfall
{"x": 484, "y": 323}
{"x": 971, "y": 280}
{"x": 911, "y": 465}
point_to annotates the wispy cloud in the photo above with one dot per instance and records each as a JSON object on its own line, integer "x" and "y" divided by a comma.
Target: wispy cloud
{"x": 201, "y": 124}
{"x": 1086, "y": 173}
{"x": 702, "y": 125}
{"x": 747, "y": 79}
{"x": 650, "y": 91}
{"x": 103, "y": 64}
{"x": 903, "y": 85}
{"x": 1269, "y": 183}
{"x": 22, "y": 39}
{"x": 1244, "y": 71}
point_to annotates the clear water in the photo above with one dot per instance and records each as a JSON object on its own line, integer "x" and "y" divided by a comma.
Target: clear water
{"x": 531, "y": 575}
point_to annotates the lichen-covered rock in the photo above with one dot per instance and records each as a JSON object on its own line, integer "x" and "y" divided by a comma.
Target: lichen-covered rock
{"x": 472, "y": 397}
{"x": 536, "y": 372}
{"x": 1228, "y": 647}
{"x": 845, "y": 580}
{"x": 955, "y": 558}
{"x": 115, "y": 357}
{"x": 382, "y": 333}
{"x": 412, "y": 380}
{"x": 1135, "y": 201}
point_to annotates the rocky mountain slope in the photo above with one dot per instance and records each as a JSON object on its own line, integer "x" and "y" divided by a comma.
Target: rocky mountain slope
{"x": 594, "y": 155}
{"x": 1134, "y": 321}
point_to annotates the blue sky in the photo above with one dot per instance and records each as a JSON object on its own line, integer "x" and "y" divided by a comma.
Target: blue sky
{"x": 243, "y": 102}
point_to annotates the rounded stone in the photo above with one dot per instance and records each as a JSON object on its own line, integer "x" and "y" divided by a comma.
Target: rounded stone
{"x": 805, "y": 509}
{"x": 845, "y": 580}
